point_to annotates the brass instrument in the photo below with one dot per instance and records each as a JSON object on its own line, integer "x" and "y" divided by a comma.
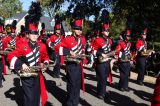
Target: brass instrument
{"x": 77, "y": 59}
{"x": 34, "y": 70}
{"x": 87, "y": 66}
{"x": 10, "y": 48}
{"x": 146, "y": 53}
{"x": 102, "y": 60}
{"x": 3, "y": 52}
{"x": 128, "y": 58}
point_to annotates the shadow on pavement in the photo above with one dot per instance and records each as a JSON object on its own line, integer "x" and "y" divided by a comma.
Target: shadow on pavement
{"x": 117, "y": 99}
{"x": 60, "y": 94}
{"x": 143, "y": 95}
{"x": 15, "y": 93}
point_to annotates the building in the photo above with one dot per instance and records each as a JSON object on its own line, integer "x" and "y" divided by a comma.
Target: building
{"x": 20, "y": 17}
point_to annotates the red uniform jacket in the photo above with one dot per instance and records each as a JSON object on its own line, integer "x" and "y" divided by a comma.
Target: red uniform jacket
{"x": 141, "y": 45}
{"x": 101, "y": 45}
{"x": 2, "y": 47}
{"x": 123, "y": 49}
{"x": 31, "y": 57}
{"x": 156, "y": 95}
{"x": 71, "y": 43}
{"x": 21, "y": 40}
{"x": 11, "y": 41}
{"x": 83, "y": 39}
{"x": 54, "y": 40}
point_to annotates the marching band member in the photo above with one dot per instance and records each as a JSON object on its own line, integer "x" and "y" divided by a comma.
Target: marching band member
{"x": 11, "y": 40}
{"x": 123, "y": 49}
{"x": 72, "y": 46}
{"x": 54, "y": 40}
{"x": 141, "y": 46}
{"x": 31, "y": 53}
{"x": 102, "y": 47}
{"x": 43, "y": 36}
{"x": 2, "y": 68}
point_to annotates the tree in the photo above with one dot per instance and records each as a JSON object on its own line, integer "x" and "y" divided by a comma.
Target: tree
{"x": 140, "y": 10}
{"x": 51, "y": 7}
{"x": 9, "y": 7}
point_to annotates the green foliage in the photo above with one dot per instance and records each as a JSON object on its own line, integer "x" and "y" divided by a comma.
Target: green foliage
{"x": 9, "y": 7}
{"x": 51, "y": 7}
{"x": 121, "y": 11}
{"x": 140, "y": 10}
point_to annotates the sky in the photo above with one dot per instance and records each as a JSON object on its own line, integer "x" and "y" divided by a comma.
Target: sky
{"x": 26, "y": 4}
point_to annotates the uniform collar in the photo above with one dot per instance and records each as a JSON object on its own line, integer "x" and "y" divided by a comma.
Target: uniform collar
{"x": 32, "y": 45}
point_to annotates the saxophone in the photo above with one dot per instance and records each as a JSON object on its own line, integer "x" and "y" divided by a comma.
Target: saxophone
{"x": 4, "y": 52}
{"x": 77, "y": 59}
{"x": 10, "y": 48}
{"x": 128, "y": 58}
{"x": 102, "y": 60}
{"x": 34, "y": 70}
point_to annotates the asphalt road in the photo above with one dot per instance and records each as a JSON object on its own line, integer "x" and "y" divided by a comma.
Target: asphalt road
{"x": 11, "y": 93}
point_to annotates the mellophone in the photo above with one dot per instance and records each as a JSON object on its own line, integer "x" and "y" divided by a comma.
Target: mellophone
{"x": 33, "y": 72}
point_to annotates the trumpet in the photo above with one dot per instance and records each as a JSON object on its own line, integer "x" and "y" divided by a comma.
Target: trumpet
{"x": 34, "y": 70}
{"x": 77, "y": 59}
{"x": 146, "y": 53}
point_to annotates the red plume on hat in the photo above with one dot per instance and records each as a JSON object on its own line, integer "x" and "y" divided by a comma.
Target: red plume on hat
{"x": 106, "y": 26}
{"x": 105, "y": 20}
{"x": 1, "y": 26}
{"x": 78, "y": 16}
{"x": 33, "y": 18}
{"x": 145, "y": 31}
{"x": 129, "y": 25}
{"x": 128, "y": 32}
{"x": 57, "y": 22}
{"x": 144, "y": 28}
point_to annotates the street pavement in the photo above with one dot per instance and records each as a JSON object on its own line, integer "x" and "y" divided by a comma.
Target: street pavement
{"x": 11, "y": 93}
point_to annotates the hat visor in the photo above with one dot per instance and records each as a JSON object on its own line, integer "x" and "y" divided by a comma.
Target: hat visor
{"x": 77, "y": 27}
{"x": 57, "y": 29}
{"x": 105, "y": 30}
{"x": 32, "y": 32}
{"x": 128, "y": 35}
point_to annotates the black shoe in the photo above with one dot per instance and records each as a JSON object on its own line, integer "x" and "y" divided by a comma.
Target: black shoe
{"x": 122, "y": 89}
{"x": 127, "y": 89}
{"x": 140, "y": 83}
{"x": 55, "y": 76}
{"x": 1, "y": 86}
{"x": 100, "y": 97}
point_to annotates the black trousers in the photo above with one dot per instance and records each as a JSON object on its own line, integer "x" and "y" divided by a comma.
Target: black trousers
{"x": 102, "y": 70}
{"x": 124, "y": 68}
{"x": 1, "y": 71}
{"x": 31, "y": 90}
{"x": 141, "y": 67}
{"x": 56, "y": 69}
{"x": 73, "y": 83}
